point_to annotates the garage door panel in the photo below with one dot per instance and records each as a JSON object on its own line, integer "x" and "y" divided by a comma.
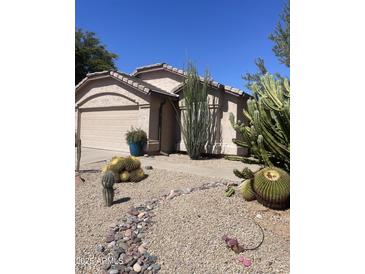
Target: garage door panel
{"x": 106, "y": 129}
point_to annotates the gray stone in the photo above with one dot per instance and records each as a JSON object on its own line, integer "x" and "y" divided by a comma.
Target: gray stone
{"x": 156, "y": 267}
{"x": 111, "y": 244}
{"x": 106, "y": 265}
{"x": 114, "y": 271}
{"x": 133, "y": 211}
{"x": 110, "y": 238}
{"x": 100, "y": 248}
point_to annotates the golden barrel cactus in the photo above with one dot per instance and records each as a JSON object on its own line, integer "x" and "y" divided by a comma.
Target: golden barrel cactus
{"x": 246, "y": 190}
{"x": 272, "y": 187}
{"x": 131, "y": 163}
{"x": 137, "y": 175}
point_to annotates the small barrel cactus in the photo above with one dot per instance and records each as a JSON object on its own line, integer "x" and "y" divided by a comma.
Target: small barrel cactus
{"x": 272, "y": 187}
{"x": 124, "y": 176}
{"x": 132, "y": 163}
{"x": 137, "y": 175}
{"x": 108, "y": 181}
{"x": 246, "y": 190}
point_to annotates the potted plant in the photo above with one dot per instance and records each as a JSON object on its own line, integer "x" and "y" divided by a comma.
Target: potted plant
{"x": 136, "y": 139}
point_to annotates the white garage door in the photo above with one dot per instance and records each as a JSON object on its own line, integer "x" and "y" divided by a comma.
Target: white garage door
{"x": 106, "y": 128}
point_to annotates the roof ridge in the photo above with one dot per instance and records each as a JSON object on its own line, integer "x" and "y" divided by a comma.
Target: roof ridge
{"x": 183, "y": 72}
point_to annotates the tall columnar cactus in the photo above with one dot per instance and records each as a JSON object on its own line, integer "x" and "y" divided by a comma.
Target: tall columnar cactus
{"x": 272, "y": 187}
{"x": 267, "y": 133}
{"x": 108, "y": 181}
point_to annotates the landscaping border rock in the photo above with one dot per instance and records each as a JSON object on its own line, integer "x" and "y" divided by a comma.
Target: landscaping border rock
{"x": 124, "y": 250}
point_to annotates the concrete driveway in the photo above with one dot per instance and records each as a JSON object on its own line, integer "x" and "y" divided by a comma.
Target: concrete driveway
{"x": 218, "y": 168}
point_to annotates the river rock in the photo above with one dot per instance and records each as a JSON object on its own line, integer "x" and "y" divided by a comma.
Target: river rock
{"x": 137, "y": 267}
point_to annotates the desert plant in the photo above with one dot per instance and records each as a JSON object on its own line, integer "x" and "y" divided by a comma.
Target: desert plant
{"x": 246, "y": 173}
{"x": 246, "y": 190}
{"x": 124, "y": 176}
{"x": 117, "y": 164}
{"x": 267, "y": 134}
{"x": 229, "y": 191}
{"x": 136, "y": 135}
{"x": 196, "y": 116}
{"x": 108, "y": 181}
{"x": 137, "y": 175}
{"x": 272, "y": 187}
{"x": 131, "y": 163}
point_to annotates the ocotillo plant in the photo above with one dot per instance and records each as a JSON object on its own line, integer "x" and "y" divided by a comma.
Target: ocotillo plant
{"x": 196, "y": 116}
{"x": 267, "y": 134}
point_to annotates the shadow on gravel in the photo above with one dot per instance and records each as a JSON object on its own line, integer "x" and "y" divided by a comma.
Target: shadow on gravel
{"x": 122, "y": 200}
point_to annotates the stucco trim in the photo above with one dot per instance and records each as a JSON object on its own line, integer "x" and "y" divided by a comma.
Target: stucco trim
{"x": 89, "y": 98}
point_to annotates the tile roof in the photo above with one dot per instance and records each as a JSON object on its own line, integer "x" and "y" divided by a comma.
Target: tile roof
{"x": 127, "y": 79}
{"x": 184, "y": 73}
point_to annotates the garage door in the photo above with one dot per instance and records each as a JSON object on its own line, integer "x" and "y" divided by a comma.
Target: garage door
{"x": 106, "y": 128}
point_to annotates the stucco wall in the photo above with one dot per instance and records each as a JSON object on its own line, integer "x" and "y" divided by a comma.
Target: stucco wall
{"x": 162, "y": 79}
{"x": 108, "y": 92}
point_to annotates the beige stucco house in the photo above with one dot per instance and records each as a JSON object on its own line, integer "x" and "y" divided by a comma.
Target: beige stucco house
{"x": 108, "y": 103}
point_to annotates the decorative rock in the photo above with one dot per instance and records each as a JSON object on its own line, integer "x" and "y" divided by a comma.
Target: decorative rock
{"x": 111, "y": 244}
{"x": 259, "y": 216}
{"x": 148, "y": 167}
{"x": 125, "y": 239}
{"x": 172, "y": 195}
{"x": 127, "y": 259}
{"x": 141, "y": 249}
{"x": 106, "y": 265}
{"x": 128, "y": 233}
{"x": 100, "y": 248}
{"x": 110, "y": 238}
{"x": 137, "y": 267}
{"x": 156, "y": 267}
{"x": 133, "y": 211}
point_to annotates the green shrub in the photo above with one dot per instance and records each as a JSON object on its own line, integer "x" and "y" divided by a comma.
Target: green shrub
{"x": 136, "y": 135}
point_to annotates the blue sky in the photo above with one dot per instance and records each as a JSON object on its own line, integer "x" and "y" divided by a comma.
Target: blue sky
{"x": 223, "y": 36}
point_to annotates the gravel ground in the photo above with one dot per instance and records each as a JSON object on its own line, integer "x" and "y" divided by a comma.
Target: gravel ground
{"x": 93, "y": 219}
{"x": 204, "y": 162}
{"x": 183, "y": 241}
{"x": 186, "y": 237}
